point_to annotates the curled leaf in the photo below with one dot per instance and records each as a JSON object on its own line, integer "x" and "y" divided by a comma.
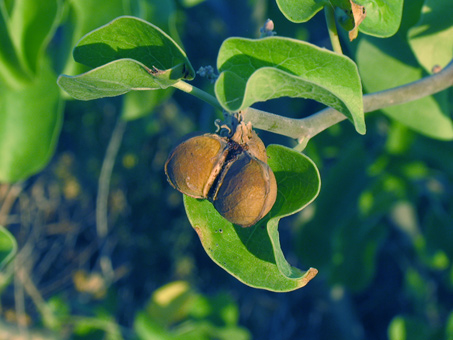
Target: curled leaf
{"x": 259, "y": 70}
{"x": 253, "y": 255}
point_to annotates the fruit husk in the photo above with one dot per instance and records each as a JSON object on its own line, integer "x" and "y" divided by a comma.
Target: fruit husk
{"x": 247, "y": 190}
{"x": 193, "y": 165}
{"x": 255, "y": 146}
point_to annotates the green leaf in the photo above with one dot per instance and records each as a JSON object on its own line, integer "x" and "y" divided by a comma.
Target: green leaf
{"x": 300, "y": 10}
{"x": 431, "y": 39}
{"x": 116, "y": 78}
{"x": 30, "y": 121}
{"x": 258, "y": 70}
{"x": 128, "y": 54}
{"x": 408, "y": 327}
{"x": 8, "y": 246}
{"x": 133, "y": 38}
{"x": 32, "y": 25}
{"x": 11, "y": 70}
{"x": 253, "y": 255}
{"x": 383, "y": 18}
{"x": 390, "y": 63}
{"x": 148, "y": 329}
{"x": 171, "y": 303}
{"x": 80, "y": 21}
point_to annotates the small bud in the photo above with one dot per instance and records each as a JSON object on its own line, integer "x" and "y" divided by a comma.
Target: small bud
{"x": 208, "y": 72}
{"x": 268, "y": 29}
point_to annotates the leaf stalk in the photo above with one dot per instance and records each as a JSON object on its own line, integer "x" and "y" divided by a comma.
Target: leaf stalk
{"x": 332, "y": 28}
{"x": 195, "y": 91}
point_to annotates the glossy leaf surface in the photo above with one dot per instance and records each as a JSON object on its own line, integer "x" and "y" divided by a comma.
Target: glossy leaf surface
{"x": 253, "y": 255}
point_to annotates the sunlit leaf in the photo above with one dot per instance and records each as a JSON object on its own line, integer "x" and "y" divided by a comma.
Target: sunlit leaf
{"x": 127, "y": 54}
{"x": 253, "y": 255}
{"x": 431, "y": 39}
{"x": 30, "y": 121}
{"x": 116, "y": 78}
{"x": 11, "y": 70}
{"x": 390, "y": 63}
{"x": 32, "y": 25}
{"x": 300, "y": 10}
{"x": 383, "y": 18}
{"x": 132, "y": 38}
{"x": 258, "y": 70}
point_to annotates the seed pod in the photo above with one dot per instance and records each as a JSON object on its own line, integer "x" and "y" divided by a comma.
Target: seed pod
{"x": 256, "y": 147}
{"x": 194, "y": 164}
{"x": 232, "y": 173}
{"x": 246, "y": 191}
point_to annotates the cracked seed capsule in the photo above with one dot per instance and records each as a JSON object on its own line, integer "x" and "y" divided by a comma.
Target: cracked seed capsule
{"x": 247, "y": 191}
{"x": 193, "y": 165}
{"x": 234, "y": 177}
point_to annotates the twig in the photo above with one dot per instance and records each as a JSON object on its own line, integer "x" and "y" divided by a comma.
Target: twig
{"x": 305, "y": 128}
{"x": 103, "y": 190}
{"x": 8, "y": 331}
{"x": 19, "y": 300}
{"x": 32, "y": 291}
{"x": 13, "y": 192}
{"x": 105, "y": 176}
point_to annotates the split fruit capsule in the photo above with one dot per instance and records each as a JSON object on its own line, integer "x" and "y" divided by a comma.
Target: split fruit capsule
{"x": 234, "y": 177}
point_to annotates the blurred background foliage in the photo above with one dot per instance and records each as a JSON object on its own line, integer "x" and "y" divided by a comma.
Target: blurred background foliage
{"x": 380, "y": 233}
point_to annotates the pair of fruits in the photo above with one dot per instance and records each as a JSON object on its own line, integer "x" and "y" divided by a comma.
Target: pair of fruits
{"x": 231, "y": 172}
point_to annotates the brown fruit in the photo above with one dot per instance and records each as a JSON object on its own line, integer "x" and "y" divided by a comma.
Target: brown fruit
{"x": 234, "y": 177}
{"x": 256, "y": 147}
{"x": 247, "y": 191}
{"x": 193, "y": 165}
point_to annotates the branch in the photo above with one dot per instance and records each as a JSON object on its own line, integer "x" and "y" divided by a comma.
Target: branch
{"x": 305, "y": 128}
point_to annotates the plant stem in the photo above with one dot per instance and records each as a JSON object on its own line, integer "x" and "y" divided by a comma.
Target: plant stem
{"x": 105, "y": 176}
{"x": 305, "y": 128}
{"x": 195, "y": 91}
{"x": 332, "y": 28}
